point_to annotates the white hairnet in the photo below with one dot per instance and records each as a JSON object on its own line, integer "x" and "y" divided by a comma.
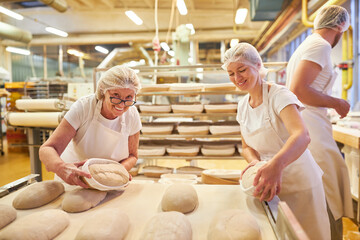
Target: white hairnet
{"x": 246, "y": 54}
{"x": 117, "y": 77}
{"x": 331, "y": 17}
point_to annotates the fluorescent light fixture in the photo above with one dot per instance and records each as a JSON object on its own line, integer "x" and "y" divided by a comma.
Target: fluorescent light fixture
{"x": 101, "y": 49}
{"x": 233, "y": 42}
{"x": 165, "y": 46}
{"x": 18, "y": 50}
{"x": 133, "y": 17}
{"x": 171, "y": 53}
{"x": 191, "y": 27}
{"x": 56, "y": 31}
{"x": 75, "y": 52}
{"x": 11, "y": 13}
{"x": 181, "y": 7}
{"x": 241, "y": 15}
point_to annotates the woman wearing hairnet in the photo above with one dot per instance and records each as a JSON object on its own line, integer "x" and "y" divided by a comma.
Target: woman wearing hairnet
{"x": 273, "y": 131}
{"x": 101, "y": 125}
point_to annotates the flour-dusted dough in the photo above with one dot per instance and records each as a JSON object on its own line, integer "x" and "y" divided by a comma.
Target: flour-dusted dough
{"x": 180, "y": 197}
{"x": 234, "y": 224}
{"x": 44, "y": 225}
{"x": 81, "y": 199}
{"x": 248, "y": 177}
{"x": 109, "y": 174}
{"x": 7, "y": 215}
{"x": 105, "y": 225}
{"x": 38, "y": 194}
{"x": 167, "y": 226}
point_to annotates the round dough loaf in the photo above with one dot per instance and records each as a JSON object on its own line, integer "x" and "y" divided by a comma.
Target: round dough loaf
{"x": 44, "y": 225}
{"x": 81, "y": 199}
{"x": 38, "y": 194}
{"x": 234, "y": 224}
{"x": 180, "y": 197}
{"x": 7, "y": 215}
{"x": 248, "y": 177}
{"x": 109, "y": 174}
{"x": 104, "y": 225}
{"x": 167, "y": 226}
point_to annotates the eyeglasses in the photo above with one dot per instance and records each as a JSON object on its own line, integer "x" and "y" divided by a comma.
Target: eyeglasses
{"x": 127, "y": 103}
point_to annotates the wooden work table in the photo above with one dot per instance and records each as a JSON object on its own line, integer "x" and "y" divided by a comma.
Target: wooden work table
{"x": 347, "y": 136}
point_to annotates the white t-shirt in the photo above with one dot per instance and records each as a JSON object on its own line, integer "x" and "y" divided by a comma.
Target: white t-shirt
{"x": 315, "y": 49}
{"x": 82, "y": 111}
{"x": 279, "y": 98}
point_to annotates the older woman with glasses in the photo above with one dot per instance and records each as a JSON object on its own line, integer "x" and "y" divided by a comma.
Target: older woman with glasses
{"x": 101, "y": 125}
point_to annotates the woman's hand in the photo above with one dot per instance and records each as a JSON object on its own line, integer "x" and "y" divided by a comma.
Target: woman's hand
{"x": 253, "y": 163}
{"x": 268, "y": 181}
{"x": 71, "y": 174}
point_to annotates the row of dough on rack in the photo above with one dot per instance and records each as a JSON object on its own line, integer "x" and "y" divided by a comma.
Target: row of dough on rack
{"x": 188, "y": 87}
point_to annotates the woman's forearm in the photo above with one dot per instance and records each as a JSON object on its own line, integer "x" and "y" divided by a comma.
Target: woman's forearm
{"x": 129, "y": 162}
{"x": 50, "y": 158}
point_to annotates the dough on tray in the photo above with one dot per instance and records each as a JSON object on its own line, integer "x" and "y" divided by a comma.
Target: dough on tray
{"x": 44, "y": 225}
{"x": 81, "y": 199}
{"x": 109, "y": 174}
{"x": 38, "y": 194}
{"x": 234, "y": 224}
{"x": 180, "y": 197}
{"x": 7, "y": 215}
{"x": 167, "y": 226}
{"x": 106, "y": 224}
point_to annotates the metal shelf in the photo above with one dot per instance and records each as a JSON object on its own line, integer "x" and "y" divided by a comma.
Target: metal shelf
{"x": 190, "y": 136}
{"x": 177, "y": 93}
{"x": 186, "y": 114}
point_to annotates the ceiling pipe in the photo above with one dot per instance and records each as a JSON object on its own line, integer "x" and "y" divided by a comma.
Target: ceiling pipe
{"x": 58, "y": 5}
{"x": 10, "y": 32}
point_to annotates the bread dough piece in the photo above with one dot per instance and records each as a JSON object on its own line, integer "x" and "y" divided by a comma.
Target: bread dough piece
{"x": 180, "y": 197}
{"x": 109, "y": 174}
{"x": 38, "y": 194}
{"x": 107, "y": 224}
{"x": 7, "y": 215}
{"x": 248, "y": 177}
{"x": 82, "y": 199}
{"x": 44, "y": 225}
{"x": 233, "y": 224}
{"x": 167, "y": 226}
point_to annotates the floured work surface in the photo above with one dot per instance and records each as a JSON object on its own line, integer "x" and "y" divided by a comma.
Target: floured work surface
{"x": 142, "y": 201}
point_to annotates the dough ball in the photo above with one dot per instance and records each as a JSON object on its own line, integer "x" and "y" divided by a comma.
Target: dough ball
{"x": 7, "y": 215}
{"x": 107, "y": 224}
{"x": 234, "y": 224}
{"x": 167, "y": 226}
{"x": 44, "y": 225}
{"x": 81, "y": 199}
{"x": 109, "y": 174}
{"x": 180, "y": 197}
{"x": 247, "y": 179}
{"x": 38, "y": 194}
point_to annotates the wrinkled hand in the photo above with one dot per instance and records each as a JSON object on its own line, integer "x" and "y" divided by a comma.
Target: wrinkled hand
{"x": 267, "y": 181}
{"x": 342, "y": 107}
{"x": 71, "y": 174}
{"x": 252, "y": 163}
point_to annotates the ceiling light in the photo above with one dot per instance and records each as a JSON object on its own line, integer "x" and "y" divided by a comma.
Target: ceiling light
{"x": 56, "y": 31}
{"x": 233, "y": 42}
{"x": 134, "y": 17}
{"x": 75, "y": 52}
{"x": 18, "y": 50}
{"x": 191, "y": 27}
{"x": 181, "y": 7}
{"x": 101, "y": 49}
{"x": 11, "y": 13}
{"x": 165, "y": 46}
{"x": 241, "y": 15}
{"x": 171, "y": 53}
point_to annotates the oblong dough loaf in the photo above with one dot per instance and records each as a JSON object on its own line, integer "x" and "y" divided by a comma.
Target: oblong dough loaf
{"x": 109, "y": 174}
{"x": 38, "y": 194}
{"x": 167, "y": 226}
{"x": 180, "y": 197}
{"x": 105, "y": 225}
{"x": 44, "y": 225}
{"x": 81, "y": 199}
{"x": 234, "y": 224}
{"x": 7, "y": 215}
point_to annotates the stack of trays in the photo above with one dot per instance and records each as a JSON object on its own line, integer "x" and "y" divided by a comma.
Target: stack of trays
{"x": 154, "y": 128}
{"x": 193, "y": 128}
{"x": 226, "y": 127}
{"x": 157, "y": 108}
{"x": 156, "y": 171}
{"x": 221, "y": 107}
{"x": 221, "y": 87}
{"x": 154, "y": 88}
{"x": 190, "y": 170}
{"x": 187, "y": 108}
{"x": 183, "y": 150}
{"x": 218, "y": 149}
{"x": 186, "y": 87}
{"x": 151, "y": 150}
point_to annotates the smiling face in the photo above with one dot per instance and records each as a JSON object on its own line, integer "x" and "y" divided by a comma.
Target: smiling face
{"x": 243, "y": 76}
{"x": 110, "y": 110}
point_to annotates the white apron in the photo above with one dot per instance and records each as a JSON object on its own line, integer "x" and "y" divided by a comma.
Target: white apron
{"x": 326, "y": 153}
{"x": 301, "y": 186}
